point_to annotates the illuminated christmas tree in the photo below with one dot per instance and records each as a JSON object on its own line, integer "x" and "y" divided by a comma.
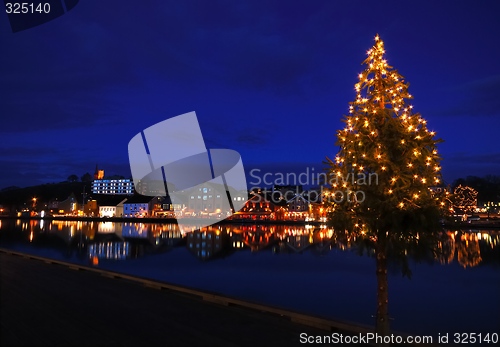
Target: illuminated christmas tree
{"x": 464, "y": 200}
{"x": 381, "y": 177}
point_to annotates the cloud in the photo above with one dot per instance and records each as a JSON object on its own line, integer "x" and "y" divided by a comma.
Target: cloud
{"x": 476, "y": 159}
{"x": 253, "y": 138}
{"x": 457, "y": 165}
{"x": 476, "y": 98}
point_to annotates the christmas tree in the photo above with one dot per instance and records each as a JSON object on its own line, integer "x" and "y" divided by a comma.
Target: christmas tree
{"x": 381, "y": 177}
{"x": 464, "y": 200}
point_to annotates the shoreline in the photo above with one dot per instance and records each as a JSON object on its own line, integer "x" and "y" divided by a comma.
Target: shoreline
{"x": 155, "y": 220}
{"x": 458, "y": 225}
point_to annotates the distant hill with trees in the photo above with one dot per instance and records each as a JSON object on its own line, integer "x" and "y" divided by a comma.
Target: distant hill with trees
{"x": 43, "y": 193}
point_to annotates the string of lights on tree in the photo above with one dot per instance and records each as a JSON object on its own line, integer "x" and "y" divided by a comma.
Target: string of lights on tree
{"x": 384, "y": 136}
{"x": 465, "y": 198}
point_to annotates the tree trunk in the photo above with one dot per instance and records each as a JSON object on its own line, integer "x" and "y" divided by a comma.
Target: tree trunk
{"x": 382, "y": 323}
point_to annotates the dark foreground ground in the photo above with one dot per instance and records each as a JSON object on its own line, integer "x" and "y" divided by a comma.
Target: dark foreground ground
{"x": 52, "y": 305}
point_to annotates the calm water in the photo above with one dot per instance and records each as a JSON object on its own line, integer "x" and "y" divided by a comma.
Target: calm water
{"x": 296, "y": 267}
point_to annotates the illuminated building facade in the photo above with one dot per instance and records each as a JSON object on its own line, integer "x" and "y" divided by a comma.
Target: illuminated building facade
{"x": 113, "y": 186}
{"x": 257, "y": 208}
{"x": 110, "y": 205}
{"x": 138, "y": 206}
{"x": 206, "y": 200}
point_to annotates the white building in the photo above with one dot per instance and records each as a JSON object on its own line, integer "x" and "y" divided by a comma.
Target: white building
{"x": 110, "y": 211}
{"x": 111, "y": 206}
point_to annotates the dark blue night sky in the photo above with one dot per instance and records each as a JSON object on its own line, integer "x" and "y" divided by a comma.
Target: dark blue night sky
{"x": 269, "y": 79}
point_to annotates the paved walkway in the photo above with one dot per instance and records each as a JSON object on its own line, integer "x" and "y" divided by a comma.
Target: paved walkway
{"x": 52, "y": 305}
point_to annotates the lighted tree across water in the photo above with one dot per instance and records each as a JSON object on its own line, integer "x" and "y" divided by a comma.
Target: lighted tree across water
{"x": 386, "y": 140}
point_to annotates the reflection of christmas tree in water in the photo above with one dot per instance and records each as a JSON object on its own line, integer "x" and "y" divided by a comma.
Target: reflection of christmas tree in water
{"x": 468, "y": 250}
{"x": 446, "y": 248}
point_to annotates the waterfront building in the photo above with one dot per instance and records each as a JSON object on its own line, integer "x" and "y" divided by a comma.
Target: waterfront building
{"x": 317, "y": 212}
{"x": 258, "y": 207}
{"x": 150, "y": 187}
{"x": 64, "y": 207}
{"x": 297, "y": 207}
{"x": 138, "y": 206}
{"x": 164, "y": 208}
{"x": 490, "y": 208}
{"x": 91, "y": 208}
{"x": 110, "y": 205}
{"x": 207, "y": 201}
{"x": 113, "y": 186}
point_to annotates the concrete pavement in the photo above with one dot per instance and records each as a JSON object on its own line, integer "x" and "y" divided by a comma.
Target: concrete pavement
{"x": 48, "y": 304}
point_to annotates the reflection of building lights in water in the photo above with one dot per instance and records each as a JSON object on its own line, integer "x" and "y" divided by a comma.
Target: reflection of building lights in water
{"x": 108, "y": 250}
{"x": 136, "y": 230}
{"x": 466, "y": 246}
{"x": 31, "y": 236}
{"x": 106, "y": 227}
